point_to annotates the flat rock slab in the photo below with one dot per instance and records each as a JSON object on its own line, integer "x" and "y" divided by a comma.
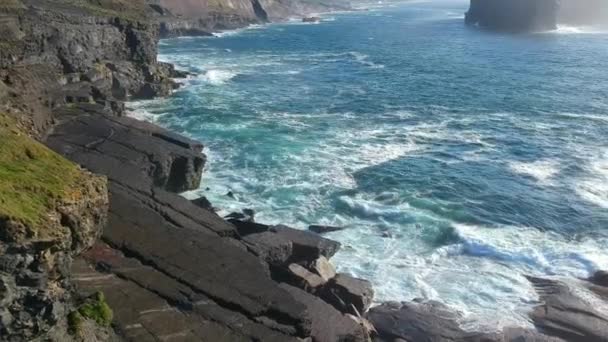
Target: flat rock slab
{"x": 150, "y": 305}
{"x": 130, "y": 151}
{"x": 344, "y": 290}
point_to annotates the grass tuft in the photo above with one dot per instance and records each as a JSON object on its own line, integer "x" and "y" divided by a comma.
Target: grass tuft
{"x": 94, "y": 308}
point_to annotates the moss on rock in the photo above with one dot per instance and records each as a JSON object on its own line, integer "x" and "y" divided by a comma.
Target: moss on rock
{"x": 94, "y": 308}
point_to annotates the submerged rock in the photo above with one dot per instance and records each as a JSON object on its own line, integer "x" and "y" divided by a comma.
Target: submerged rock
{"x": 324, "y": 229}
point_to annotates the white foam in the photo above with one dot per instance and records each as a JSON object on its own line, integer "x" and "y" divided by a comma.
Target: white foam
{"x": 364, "y": 59}
{"x": 143, "y": 115}
{"x": 529, "y": 248}
{"x": 593, "y": 117}
{"x": 565, "y": 29}
{"x": 594, "y": 186}
{"x": 541, "y": 170}
{"x": 235, "y": 32}
{"x": 218, "y": 77}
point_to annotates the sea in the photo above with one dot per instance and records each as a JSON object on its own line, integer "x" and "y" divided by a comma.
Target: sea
{"x": 458, "y": 161}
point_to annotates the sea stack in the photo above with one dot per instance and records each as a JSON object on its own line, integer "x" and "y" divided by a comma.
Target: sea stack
{"x": 514, "y": 15}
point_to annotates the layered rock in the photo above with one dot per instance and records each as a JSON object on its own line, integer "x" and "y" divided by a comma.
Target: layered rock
{"x": 170, "y": 268}
{"x": 50, "y": 211}
{"x": 514, "y": 15}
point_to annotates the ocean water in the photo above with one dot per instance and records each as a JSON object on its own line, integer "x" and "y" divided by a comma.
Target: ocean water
{"x": 457, "y": 160}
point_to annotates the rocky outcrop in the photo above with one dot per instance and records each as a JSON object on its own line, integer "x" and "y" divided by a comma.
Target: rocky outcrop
{"x": 171, "y": 268}
{"x": 514, "y": 15}
{"x": 50, "y": 211}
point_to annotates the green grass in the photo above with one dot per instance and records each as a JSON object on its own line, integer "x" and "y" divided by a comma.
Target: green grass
{"x": 94, "y": 308}
{"x": 127, "y": 9}
{"x": 33, "y": 180}
{"x": 97, "y": 309}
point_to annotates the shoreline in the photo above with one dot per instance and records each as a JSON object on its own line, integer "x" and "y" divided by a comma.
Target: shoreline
{"x": 167, "y": 266}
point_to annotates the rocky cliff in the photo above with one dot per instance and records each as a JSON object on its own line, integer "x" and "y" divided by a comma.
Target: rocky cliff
{"x": 514, "y": 15}
{"x": 50, "y": 211}
{"x": 94, "y": 54}
{"x": 202, "y": 17}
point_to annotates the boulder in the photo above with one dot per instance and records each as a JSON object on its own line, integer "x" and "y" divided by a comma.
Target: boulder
{"x": 305, "y": 279}
{"x": 203, "y": 202}
{"x": 274, "y": 249}
{"x": 307, "y": 246}
{"x": 323, "y": 268}
{"x": 345, "y": 293}
{"x": 324, "y": 229}
{"x": 565, "y": 314}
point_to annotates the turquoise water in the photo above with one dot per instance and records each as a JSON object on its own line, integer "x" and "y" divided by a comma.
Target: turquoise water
{"x": 458, "y": 160}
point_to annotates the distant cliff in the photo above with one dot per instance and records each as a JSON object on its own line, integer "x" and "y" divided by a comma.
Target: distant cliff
{"x": 201, "y": 17}
{"x": 514, "y": 15}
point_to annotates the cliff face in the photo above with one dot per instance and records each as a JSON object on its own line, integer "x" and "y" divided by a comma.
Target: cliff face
{"x": 513, "y": 15}
{"x": 201, "y": 17}
{"x": 71, "y": 53}
{"x": 50, "y": 211}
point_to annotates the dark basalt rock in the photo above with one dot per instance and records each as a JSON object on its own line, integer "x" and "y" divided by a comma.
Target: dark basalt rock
{"x": 247, "y": 215}
{"x": 345, "y": 293}
{"x": 203, "y": 202}
{"x": 514, "y": 15}
{"x": 137, "y": 153}
{"x": 274, "y": 249}
{"x": 307, "y": 246}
